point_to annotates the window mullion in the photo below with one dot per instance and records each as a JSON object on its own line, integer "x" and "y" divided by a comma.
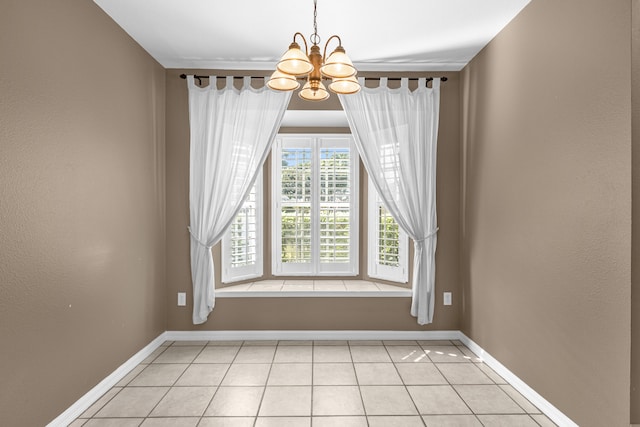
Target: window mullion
{"x": 315, "y": 206}
{"x": 276, "y": 203}
{"x": 354, "y": 195}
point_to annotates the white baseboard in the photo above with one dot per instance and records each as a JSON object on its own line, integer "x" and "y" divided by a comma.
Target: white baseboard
{"x": 95, "y": 393}
{"x": 540, "y": 402}
{"x": 309, "y": 335}
{"x": 82, "y": 404}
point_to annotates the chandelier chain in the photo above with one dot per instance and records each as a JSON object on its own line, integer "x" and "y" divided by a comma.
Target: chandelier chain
{"x": 315, "y": 38}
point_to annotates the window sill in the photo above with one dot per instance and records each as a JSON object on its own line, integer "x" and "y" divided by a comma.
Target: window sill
{"x": 313, "y": 289}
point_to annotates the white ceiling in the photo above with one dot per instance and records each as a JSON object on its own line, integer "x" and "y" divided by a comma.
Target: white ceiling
{"x": 378, "y": 35}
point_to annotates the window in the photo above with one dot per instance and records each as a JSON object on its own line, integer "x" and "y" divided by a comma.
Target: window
{"x": 242, "y": 243}
{"x": 315, "y": 205}
{"x": 388, "y": 244}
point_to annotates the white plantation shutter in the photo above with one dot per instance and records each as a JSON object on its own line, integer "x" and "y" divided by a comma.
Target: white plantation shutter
{"x": 387, "y": 247}
{"x": 315, "y": 215}
{"x": 243, "y": 234}
{"x": 295, "y": 211}
{"x": 388, "y": 243}
{"x": 335, "y": 197}
{"x": 242, "y": 252}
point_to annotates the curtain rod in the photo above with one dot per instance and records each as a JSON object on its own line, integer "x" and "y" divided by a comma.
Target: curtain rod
{"x": 197, "y": 77}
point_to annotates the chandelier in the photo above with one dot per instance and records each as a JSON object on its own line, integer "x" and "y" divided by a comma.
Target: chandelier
{"x": 311, "y": 64}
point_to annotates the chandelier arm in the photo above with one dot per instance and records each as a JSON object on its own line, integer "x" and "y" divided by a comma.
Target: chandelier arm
{"x": 324, "y": 55}
{"x": 306, "y": 47}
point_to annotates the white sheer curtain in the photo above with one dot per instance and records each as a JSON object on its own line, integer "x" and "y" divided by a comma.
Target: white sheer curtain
{"x": 396, "y": 133}
{"x": 231, "y": 134}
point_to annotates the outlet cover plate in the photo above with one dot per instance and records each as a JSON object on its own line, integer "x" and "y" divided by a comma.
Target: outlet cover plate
{"x": 182, "y": 299}
{"x": 447, "y": 298}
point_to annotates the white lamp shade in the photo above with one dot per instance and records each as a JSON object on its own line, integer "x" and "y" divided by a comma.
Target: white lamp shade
{"x": 282, "y": 81}
{"x": 345, "y": 86}
{"x": 338, "y": 65}
{"x": 309, "y": 94}
{"x": 295, "y": 62}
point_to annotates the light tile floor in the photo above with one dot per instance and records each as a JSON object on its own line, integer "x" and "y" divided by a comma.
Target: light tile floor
{"x": 312, "y": 383}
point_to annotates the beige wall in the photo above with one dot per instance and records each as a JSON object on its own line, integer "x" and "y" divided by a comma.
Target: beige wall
{"x": 311, "y": 313}
{"x": 546, "y": 204}
{"x": 81, "y": 204}
{"x": 635, "y": 249}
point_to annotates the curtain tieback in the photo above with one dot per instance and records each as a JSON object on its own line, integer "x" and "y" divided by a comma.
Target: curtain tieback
{"x": 428, "y": 236}
{"x": 198, "y": 240}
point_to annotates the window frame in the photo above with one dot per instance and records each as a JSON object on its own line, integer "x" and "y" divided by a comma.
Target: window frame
{"x": 316, "y": 142}
{"x": 399, "y": 274}
{"x": 236, "y": 274}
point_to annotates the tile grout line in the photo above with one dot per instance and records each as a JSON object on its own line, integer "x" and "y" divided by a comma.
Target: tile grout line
{"x": 313, "y": 351}
{"x": 493, "y": 383}
{"x": 355, "y": 374}
{"x": 406, "y": 389}
{"x": 453, "y": 388}
{"x": 525, "y": 413}
{"x": 221, "y": 379}
{"x": 122, "y": 388}
{"x": 264, "y": 391}
{"x": 174, "y": 382}
{"x": 219, "y": 384}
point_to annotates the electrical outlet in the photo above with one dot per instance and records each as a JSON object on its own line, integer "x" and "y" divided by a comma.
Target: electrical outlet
{"x": 182, "y": 299}
{"x": 447, "y": 298}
